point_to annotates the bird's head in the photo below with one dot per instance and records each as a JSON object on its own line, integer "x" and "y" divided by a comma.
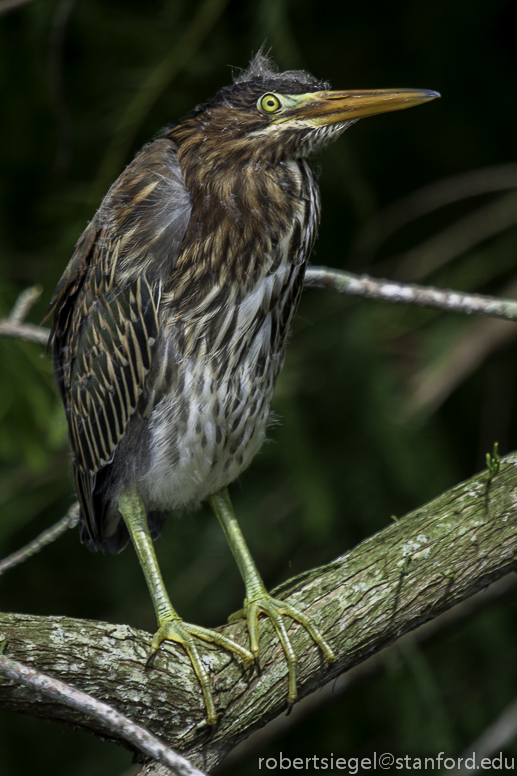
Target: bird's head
{"x": 270, "y": 116}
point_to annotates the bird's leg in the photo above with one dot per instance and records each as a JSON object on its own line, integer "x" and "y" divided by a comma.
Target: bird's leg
{"x": 258, "y": 601}
{"x": 170, "y": 625}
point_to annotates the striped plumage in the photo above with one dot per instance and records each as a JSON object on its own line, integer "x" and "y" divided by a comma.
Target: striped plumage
{"x": 170, "y": 321}
{"x": 170, "y": 325}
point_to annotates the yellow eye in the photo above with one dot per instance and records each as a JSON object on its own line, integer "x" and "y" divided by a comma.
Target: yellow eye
{"x": 269, "y": 103}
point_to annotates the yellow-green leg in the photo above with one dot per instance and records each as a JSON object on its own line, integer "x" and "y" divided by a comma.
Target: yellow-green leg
{"x": 170, "y": 625}
{"x": 258, "y": 601}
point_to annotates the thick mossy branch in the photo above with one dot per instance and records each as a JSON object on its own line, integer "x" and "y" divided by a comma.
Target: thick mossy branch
{"x": 394, "y": 581}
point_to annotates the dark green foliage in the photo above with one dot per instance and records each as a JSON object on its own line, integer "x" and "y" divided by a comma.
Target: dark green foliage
{"x": 361, "y": 437}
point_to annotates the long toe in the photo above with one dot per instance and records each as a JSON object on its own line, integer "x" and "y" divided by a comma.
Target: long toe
{"x": 179, "y": 632}
{"x": 188, "y": 636}
{"x": 277, "y": 611}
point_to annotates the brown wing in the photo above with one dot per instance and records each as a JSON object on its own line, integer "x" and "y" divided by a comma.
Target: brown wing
{"x": 102, "y": 358}
{"x": 111, "y": 358}
{"x": 106, "y": 314}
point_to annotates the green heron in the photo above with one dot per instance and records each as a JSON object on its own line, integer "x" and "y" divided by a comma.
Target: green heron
{"x": 170, "y": 324}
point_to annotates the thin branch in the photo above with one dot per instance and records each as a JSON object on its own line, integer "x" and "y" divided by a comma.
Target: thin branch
{"x": 342, "y": 282}
{"x": 23, "y": 304}
{"x": 24, "y": 331}
{"x": 70, "y": 520}
{"x": 410, "y": 293}
{"x": 324, "y": 277}
{"x": 141, "y": 738}
{"x": 13, "y": 325}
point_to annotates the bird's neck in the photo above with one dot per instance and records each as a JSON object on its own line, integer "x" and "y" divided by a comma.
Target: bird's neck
{"x": 233, "y": 173}
{"x": 240, "y": 185}
{"x": 244, "y": 214}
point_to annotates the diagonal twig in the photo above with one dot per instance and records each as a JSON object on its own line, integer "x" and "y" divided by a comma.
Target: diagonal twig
{"x": 14, "y": 327}
{"x": 70, "y": 520}
{"x": 141, "y": 738}
{"x": 23, "y": 304}
{"x": 24, "y": 331}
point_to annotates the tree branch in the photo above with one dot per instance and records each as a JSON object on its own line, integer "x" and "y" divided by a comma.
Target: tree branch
{"x": 410, "y": 293}
{"x": 320, "y": 277}
{"x": 114, "y": 722}
{"x": 387, "y": 586}
{"x": 70, "y": 520}
{"x": 391, "y": 583}
{"x": 363, "y": 672}
{"x": 13, "y": 326}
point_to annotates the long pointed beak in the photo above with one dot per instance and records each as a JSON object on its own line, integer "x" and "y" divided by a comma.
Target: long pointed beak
{"x": 323, "y": 108}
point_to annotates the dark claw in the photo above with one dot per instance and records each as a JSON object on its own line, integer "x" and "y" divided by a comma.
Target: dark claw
{"x": 289, "y": 708}
{"x": 211, "y": 730}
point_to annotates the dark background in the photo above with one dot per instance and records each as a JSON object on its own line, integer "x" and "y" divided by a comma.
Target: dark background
{"x": 380, "y": 407}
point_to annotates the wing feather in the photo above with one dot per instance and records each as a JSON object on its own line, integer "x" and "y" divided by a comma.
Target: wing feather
{"x": 106, "y": 316}
{"x": 107, "y": 376}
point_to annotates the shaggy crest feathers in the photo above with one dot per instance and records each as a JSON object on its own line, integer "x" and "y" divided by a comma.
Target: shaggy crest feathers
{"x": 261, "y": 76}
{"x": 262, "y": 69}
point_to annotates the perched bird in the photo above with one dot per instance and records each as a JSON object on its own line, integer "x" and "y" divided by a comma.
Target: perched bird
{"x": 170, "y": 324}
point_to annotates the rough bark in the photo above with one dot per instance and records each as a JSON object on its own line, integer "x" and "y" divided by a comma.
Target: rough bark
{"x": 392, "y": 582}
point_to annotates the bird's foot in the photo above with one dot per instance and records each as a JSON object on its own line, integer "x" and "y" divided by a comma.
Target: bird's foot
{"x": 186, "y": 634}
{"x": 276, "y": 610}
